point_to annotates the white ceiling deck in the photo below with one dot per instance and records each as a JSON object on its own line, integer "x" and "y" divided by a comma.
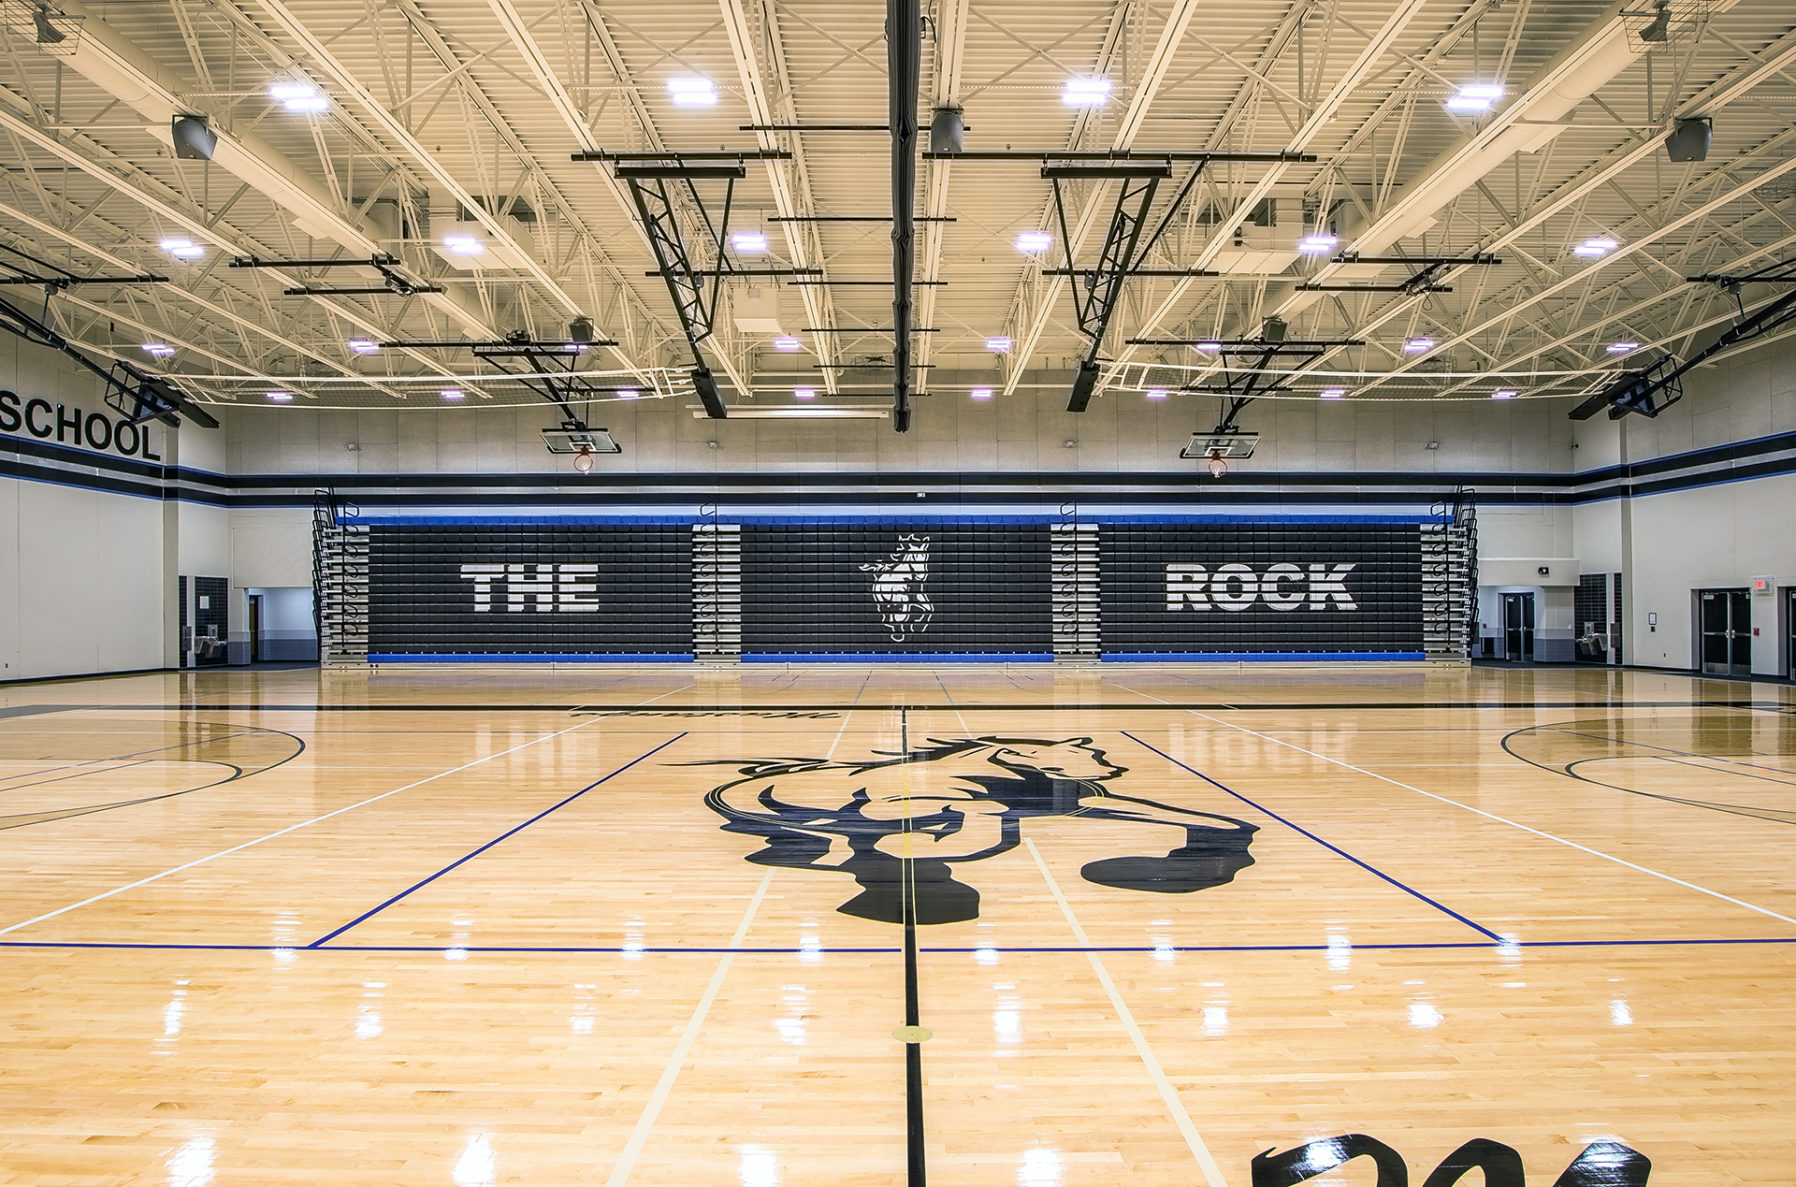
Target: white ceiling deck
{"x": 440, "y": 106}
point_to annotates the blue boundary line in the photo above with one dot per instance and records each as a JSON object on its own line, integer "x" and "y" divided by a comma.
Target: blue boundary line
{"x": 1143, "y": 949}
{"x": 1409, "y": 890}
{"x": 367, "y": 915}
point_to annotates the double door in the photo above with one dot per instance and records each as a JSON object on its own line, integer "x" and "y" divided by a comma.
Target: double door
{"x": 1518, "y": 627}
{"x": 1724, "y": 626}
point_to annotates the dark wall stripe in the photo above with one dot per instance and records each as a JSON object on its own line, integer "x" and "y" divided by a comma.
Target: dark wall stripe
{"x": 37, "y": 461}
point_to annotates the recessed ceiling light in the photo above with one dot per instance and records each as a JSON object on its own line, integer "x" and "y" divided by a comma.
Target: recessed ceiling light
{"x": 981, "y": 393}
{"x": 787, "y": 344}
{"x": 452, "y": 393}
{"x": 1333, "y": 393}
{"x": 1418, "y": 346}
{"x": 692, "y": 92}
{"x": 1595, "y": 249}
{"x": 1505, "y": 393}
{"x": 182, "y": 249}
{"x": 160, "y": 349}
{"x": 1623, "y": 347}
{"x": 1034, "y": 242}
{"x": 364, "y": 346}
{"x": 1475, "y": 98}
{"x": 1317, "y": 244}
{"x": 1086, "y": 92}
{"x": 748, "y": 241}
{"x": 463, "y": 245}
{"x": 804, "y": 393}
{"x": 281, "y": 397}
{"x": 998, "y": 344}
{"x": 1156, "y": 393}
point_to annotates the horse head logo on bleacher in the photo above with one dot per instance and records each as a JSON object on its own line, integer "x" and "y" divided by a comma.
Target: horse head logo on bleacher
{"x": 903, "y": 823}
{"x": 898, "y": 592}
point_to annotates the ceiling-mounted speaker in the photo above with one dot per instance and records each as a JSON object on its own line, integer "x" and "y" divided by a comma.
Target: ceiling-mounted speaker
{"x": 947, "y": 131}
{"x": 194, "y": 138}
{"x": 1690, "y": 140}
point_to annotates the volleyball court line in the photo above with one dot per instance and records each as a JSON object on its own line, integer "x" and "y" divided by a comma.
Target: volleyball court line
{"x": 200, "y": 861}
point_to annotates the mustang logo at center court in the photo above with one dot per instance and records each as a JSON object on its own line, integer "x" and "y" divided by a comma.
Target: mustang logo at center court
{"x": 962, "y": 800}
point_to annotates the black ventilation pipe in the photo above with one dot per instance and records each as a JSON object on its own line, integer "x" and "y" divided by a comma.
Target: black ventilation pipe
{"x": 904, "y": 68}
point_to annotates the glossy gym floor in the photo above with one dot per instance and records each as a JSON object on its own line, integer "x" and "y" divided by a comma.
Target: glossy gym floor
{"x": 1032, "y": 926}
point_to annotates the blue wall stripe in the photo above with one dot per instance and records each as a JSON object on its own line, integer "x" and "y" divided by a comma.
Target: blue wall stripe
{"x": 1131, "y": 657}
{"x": 528, "y": 657}
{"x": 893, "y": 657}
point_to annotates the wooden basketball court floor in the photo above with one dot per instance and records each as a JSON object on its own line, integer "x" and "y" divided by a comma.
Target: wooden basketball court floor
{"x": 489, "y": 926}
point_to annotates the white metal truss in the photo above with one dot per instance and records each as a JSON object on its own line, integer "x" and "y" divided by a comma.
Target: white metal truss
{"x": 477, "y": 105}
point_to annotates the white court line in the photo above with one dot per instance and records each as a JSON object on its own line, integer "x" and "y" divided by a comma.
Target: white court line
{"x": 1205, "y": 1160}
{"x": 626, "y": 1161}
{"x": 1726, "y": 898}
{"x": 200, "y": 861}
{"x": 832, "y": 746}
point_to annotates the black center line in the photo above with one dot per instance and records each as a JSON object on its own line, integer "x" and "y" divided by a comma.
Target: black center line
{"x": 913, "y": 1048}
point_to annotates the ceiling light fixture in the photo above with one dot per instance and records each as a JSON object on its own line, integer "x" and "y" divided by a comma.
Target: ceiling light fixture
{"x": 278, "y": 397}
{"x": 1623, "y": 347}
{"x": 1085, "y": 92}
{"x": 804, "y": 393}
{"x": 452, "y": 393}
{"x": 1595, "y": 249}
{"x": 628, "y": 393}
{"x": 1475, "y": 98}
{"x": 1034, "y": 242}
{"x": 160, "y": 349}
{"x": 182, "y": 249}
{"x": 1505, "y": 393}
{"x": 463, "y": 245}
{"x": 998, "y": 344}
{"x": 364, "y": 346}
{"x": 300, "y": 97}
{"x": 1156, "y": 393}
{"x": 691, "y": 91}
{"x": 786, "y": 344}
{"x": 1317, "y": 244}
{"x": 1418, "y": 346}
{"x": 1333, "y": 393}
{"x": 748, "y": 242}
{"x": 1208, "y": 348}
{"x": 981, "y": 393}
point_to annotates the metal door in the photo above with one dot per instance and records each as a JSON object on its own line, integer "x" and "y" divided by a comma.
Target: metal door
{"x": 1724, "y": 625}
{"x": 1518, "y": 627}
